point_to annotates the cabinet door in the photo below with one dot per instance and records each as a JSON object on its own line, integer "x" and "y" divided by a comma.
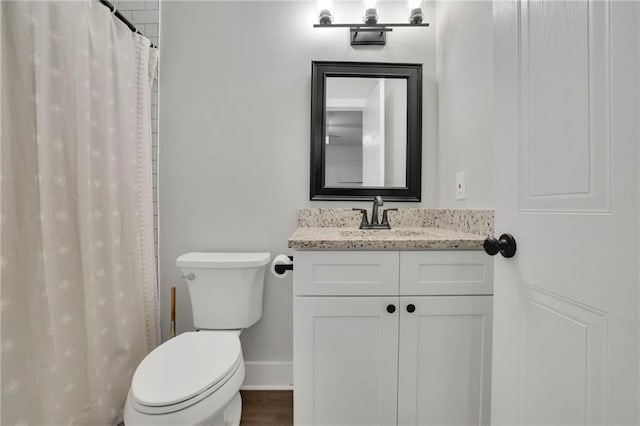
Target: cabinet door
{"x": 445, "y": 360}
{"x": 345, "y": 361}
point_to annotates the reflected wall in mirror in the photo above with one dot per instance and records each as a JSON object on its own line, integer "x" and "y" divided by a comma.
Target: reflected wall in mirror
{"x": 365, "y": 131}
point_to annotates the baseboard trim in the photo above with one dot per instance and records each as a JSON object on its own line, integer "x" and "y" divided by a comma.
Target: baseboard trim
{"x": 267, "y": 388}
{"x": 268, "y": 375}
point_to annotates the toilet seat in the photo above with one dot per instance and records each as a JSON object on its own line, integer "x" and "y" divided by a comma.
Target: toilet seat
{"x": 185, "y": 370}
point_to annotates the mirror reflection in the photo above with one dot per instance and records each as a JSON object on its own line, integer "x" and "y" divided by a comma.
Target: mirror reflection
{"x": 365, "y": 132}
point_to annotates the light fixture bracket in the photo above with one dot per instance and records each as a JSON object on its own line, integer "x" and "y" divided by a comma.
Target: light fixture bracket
{"x": 365, "y": 36}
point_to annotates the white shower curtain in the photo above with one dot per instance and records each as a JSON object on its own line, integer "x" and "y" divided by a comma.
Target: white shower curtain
{"x": 78, "y": 295}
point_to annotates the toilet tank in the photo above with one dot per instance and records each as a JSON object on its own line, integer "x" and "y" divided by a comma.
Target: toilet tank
{"x": 225, "y": 288}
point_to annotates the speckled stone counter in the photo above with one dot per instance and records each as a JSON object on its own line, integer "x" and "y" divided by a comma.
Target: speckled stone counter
{"x": 411, "y": 229}
{"x": 311, "y": 238}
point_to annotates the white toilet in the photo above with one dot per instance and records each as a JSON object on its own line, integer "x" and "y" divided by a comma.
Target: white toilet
{"x": 195, "y": 378}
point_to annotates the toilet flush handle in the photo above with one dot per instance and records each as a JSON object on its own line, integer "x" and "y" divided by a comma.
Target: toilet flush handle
{"x": 189, "y": 277}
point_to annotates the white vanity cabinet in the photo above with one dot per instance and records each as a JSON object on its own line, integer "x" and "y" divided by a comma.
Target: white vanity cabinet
{"x": 392, "y": 337}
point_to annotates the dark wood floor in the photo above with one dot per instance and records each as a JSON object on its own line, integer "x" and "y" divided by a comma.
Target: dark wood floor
{"x": 267, "y": 408}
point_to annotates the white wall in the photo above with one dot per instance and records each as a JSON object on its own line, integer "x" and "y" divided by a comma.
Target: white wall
{"x": 234, "y": 135}
{"x": 343, "y": 163}
{"x": 465, "y": 107}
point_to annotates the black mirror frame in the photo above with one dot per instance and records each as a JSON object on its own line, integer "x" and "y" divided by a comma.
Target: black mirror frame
{"x": 320, "y": 70}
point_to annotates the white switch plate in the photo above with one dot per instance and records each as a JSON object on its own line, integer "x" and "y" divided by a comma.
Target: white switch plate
{"x": 461, "y": 186}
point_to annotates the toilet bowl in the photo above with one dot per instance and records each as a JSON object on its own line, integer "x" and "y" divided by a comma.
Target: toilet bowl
{"x": 195, "y": 378}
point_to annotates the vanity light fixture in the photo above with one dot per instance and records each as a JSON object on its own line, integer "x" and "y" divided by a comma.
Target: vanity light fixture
{"x": 370, "y": 32}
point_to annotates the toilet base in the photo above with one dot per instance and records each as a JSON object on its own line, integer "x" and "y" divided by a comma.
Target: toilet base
{"x": 233, "y": 412}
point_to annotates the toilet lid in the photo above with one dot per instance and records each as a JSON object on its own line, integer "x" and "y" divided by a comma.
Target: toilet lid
{"x": 185, "y": 366}
{"x": 222, "y": 260}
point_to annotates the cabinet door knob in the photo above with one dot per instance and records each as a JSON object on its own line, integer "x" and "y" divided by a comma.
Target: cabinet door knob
{"x": 411, "y": 308}
{"x": 391, "y": 308}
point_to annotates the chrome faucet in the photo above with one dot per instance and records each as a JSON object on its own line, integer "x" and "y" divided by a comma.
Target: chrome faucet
{"x": 377, "y": 202}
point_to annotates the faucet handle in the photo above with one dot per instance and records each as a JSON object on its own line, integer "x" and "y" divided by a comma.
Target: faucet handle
{"x": 385, "y": 219}
{"x": 365, "y": 219}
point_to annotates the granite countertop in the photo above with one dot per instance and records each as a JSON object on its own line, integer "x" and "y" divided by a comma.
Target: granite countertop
{"x": 412, "y": 229}
{"x": 319, "y": 238}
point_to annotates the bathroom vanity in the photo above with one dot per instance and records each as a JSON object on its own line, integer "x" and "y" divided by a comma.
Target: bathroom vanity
{"x": 391, "y": 327}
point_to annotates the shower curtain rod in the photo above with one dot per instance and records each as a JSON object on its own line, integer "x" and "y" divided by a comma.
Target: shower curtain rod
{"x": 121, "y": 17}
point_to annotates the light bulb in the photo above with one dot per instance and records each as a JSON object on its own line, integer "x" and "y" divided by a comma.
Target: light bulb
{"x": 324, "y": 5}
{"x": 370, "y": 12}
{"x": 415, "y": 16}
{"x": 324, "y": 9}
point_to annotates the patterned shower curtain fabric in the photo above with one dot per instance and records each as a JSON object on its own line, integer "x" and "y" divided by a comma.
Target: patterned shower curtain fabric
{"x": 78, "y": 285}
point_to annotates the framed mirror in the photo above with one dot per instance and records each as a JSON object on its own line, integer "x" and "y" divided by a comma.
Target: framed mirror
{"x": 366, "y": 131}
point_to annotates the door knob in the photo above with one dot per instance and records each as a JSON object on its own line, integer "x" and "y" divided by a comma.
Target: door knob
{"x": 411, "y": 308}
{"x": 506, "y": 245}
{"x": 391, "y": 308}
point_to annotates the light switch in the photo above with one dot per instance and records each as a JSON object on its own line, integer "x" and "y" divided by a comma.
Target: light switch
{"x": 461, "y": 186}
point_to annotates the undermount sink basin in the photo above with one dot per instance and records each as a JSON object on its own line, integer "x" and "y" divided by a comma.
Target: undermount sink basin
{"x": 397, "y": 232}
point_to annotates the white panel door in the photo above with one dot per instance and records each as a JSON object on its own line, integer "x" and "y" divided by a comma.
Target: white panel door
{"x": 445, "y": 361}
{"x": 566, "y": 330}
{"x": 373, "y": 137}
{"x": 346, "y": 361}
